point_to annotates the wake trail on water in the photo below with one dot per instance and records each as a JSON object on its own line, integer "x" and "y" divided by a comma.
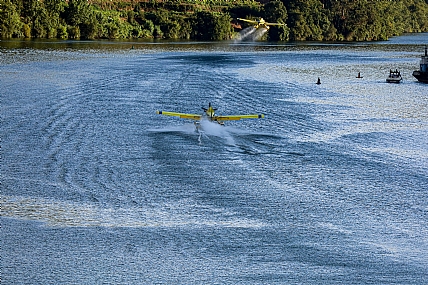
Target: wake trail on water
{"x": 212, "y": 131}
{"x": 186, "y": 128}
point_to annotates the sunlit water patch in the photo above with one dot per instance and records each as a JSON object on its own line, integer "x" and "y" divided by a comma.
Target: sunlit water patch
{"x": 180, "y": 214}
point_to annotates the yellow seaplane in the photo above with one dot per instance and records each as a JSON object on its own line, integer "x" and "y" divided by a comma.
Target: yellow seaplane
{"x": 261, "y": 23}
{"x": 210, "y": 115}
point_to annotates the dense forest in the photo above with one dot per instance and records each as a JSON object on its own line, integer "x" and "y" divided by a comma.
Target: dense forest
{"x": 315, "y": 20}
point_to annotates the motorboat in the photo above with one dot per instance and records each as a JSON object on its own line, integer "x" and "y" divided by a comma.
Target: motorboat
{"x": 394, "y": 76}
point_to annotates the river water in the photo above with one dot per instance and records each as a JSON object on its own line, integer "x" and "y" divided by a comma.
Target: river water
{"x": 329, "y": 188}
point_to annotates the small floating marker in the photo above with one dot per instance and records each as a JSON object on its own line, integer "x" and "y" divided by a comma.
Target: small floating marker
{"x": 319, "y": 81}
{"x": 359, "y": 75}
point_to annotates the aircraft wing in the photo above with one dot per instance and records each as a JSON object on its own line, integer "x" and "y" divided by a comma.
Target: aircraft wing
{"x": 181, "y": 115}
{"x": 238, "y": 117}
{"x": 274, "y": 24}
{"x": 249, "y": 21}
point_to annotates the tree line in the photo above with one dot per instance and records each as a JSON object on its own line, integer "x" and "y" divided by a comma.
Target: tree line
{"x": 213, "y": 20}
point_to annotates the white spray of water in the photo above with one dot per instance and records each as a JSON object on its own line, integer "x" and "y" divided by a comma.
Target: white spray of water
{"x": 250, "y": 34}
{"x": 259, "y": 33}
{"x": 244, "y": 34}
{"x": 214, "y": 129}
{"x": 206, "y": 131}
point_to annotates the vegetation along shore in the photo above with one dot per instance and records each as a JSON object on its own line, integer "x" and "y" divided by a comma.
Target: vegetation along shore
{"x": 212, "y": 20}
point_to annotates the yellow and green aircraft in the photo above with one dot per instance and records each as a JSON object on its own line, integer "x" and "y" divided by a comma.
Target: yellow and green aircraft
{"x": 261, "y": 23}
{"x": 209, "y": 114}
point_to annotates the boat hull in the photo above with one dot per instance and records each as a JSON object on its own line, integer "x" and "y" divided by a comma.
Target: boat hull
{"x": 421, "y": 76}
{"x": 393, "y": 80}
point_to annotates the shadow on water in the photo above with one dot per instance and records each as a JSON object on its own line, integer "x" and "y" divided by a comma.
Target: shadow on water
{"x": 123, "y": 44}
{"x": 409, "y": 42}
{"x": 210, "y": 59}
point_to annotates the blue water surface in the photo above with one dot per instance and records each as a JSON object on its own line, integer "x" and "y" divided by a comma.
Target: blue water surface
{"x": 329, "y": 188}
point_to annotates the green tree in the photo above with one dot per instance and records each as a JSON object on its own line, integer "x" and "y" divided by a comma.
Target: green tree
{"x": 419, "y": 15}
{"x": 54, "y": 9}
{"x": 244, "y": 11}
{"x": 276, "y": 12}
{"x": 10, "y": 23}
{"x": 204, "y": 26}
{"x": 148, "y": 25}
{"x": 222, "y": 28}
{"x": 80, "y": 14}
{"x": 77, "y": 12}
{"x": 212, "y": 27}
{"x": 157, "y": 32}
{"x": 40, "y": 22}
{"x": 307, "y": 20}
{"x": 172, "y": 29}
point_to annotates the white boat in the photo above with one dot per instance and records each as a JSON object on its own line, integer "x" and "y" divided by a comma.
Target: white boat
{"x": 394, "y": 77}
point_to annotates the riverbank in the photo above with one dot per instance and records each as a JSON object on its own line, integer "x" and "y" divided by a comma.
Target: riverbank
{"x": 312, "y": 20}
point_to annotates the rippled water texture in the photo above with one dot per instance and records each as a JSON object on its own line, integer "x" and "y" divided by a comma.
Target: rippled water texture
{"x": 329, "y": 188}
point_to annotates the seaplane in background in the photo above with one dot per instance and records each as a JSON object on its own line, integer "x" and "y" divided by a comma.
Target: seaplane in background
{"x": 261, "y": 23}
{"x": 210, "y": 115}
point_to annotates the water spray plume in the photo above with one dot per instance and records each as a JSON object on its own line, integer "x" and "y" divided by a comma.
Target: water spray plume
{"x": 258, "y": 34}
{"x": 214, "y": 129}
{"x": 250, "y": 34}
{"x": 244, "y": 34}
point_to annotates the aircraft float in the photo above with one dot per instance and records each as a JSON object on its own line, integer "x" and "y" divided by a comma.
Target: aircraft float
{"x": 210, "y": 115}
{"x": 261, "y": 23}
